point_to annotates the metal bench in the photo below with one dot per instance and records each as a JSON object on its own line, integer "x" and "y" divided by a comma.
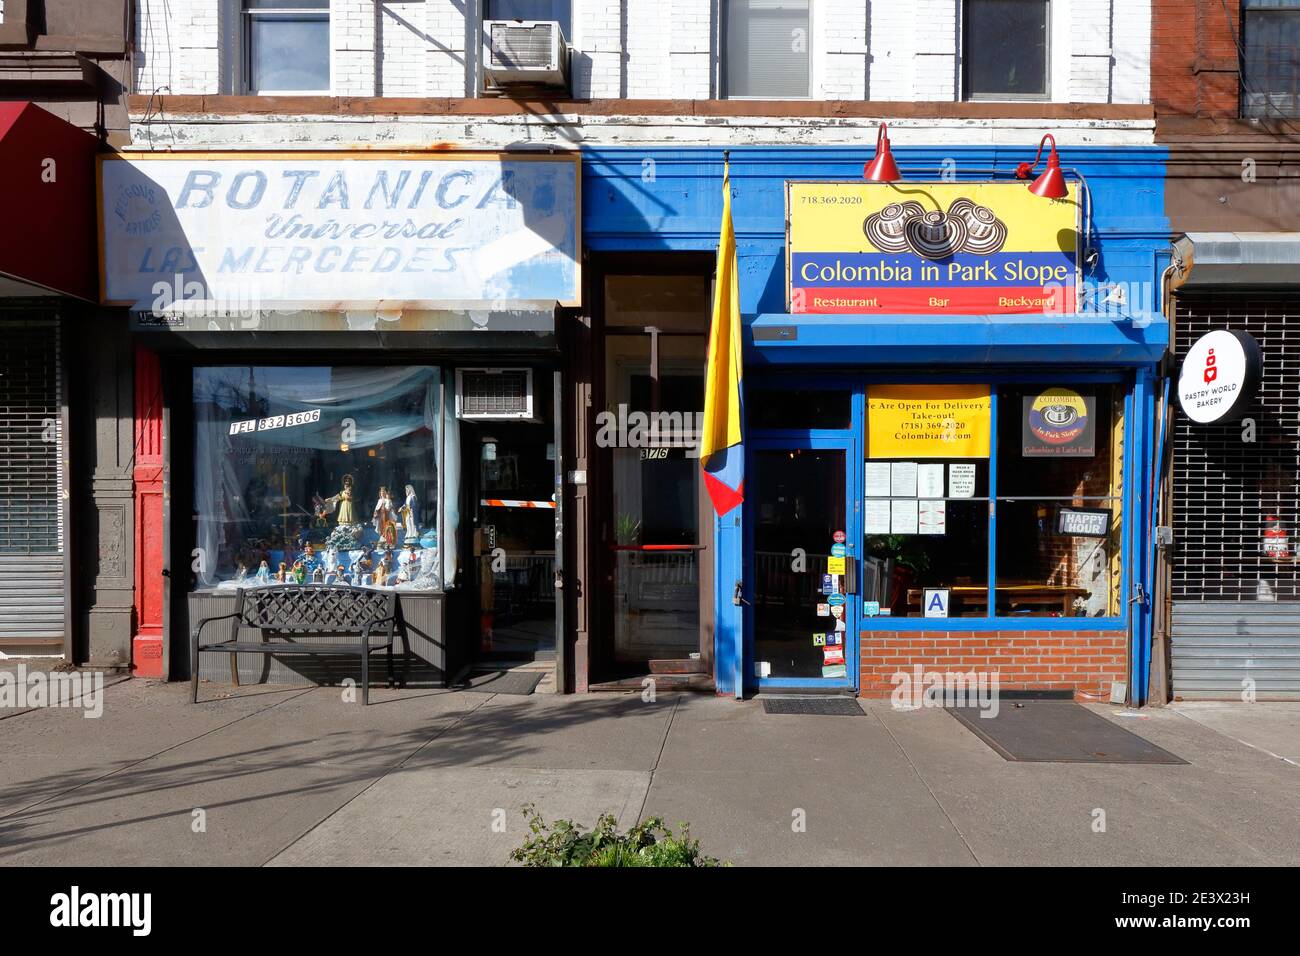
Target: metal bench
{"x": 284, "y": 614}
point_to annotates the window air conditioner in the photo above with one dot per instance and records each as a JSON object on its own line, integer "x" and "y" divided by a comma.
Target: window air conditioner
{"x": 524, "y": 53}
{"x": 495, "y": 394}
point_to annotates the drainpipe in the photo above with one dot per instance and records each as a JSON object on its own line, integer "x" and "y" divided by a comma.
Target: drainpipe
{"x": 1162, "y": 514}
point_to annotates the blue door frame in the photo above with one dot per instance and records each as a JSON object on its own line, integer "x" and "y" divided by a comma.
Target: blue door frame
{"x": 847, "y": 441}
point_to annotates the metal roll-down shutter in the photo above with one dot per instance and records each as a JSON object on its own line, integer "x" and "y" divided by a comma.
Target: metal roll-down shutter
{"x": 1236, "y": 611}
{"x": 33, "y": 588}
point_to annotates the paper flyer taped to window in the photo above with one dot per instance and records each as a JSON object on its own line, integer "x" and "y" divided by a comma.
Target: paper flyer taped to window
{"x": 961, "y": 480}
{"x": 932, "y": 516}
{"x": 929, "y": 481}
{"x": 876, "y": 516}
{"x": 903, "y": 516}
{"x": 877, "y": 479}
{"x": 902, "y": 479}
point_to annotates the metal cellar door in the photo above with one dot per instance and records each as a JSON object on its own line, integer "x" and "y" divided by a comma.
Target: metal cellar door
{"x": 32, "y": 534}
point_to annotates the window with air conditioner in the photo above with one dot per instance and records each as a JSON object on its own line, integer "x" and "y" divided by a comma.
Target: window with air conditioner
{"x": 283, "y": 46}
{"x": 525, "y": 44}
{"x": 765, "y": 49}
{"x": 1005, "y": 49}
{"x": 1270, "y": 69}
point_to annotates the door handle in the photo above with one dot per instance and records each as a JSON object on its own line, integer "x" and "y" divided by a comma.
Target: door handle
{"x": 559, "y": 580}
{"x": 738, "y": 597}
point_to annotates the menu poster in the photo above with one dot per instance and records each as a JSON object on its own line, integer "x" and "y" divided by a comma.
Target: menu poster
{"x": 902, "y": 479}
{"x": 961, "y": 480}
{"x": 903, "y": 516}
{"x": 932, "y": 517}
{"x": 877, "y": 479}
{"x": 929, "y": 481}
{"x": 876, "y": 517}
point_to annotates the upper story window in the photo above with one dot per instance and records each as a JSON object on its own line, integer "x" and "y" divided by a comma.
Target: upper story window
{"x": 765, "y": 46}
{"x": 1004, "y": 49}
{"x": 1270, "y": 70}
{"x": 560, "y": 10}
{"x": 286, "y": 46}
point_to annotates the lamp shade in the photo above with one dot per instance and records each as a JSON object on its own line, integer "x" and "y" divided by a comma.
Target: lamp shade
{"x": 882, "y": 168}
{"x": 1050, "y": 184}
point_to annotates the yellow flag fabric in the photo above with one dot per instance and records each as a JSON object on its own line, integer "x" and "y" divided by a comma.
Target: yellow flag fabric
{"x": 721, "y": 453}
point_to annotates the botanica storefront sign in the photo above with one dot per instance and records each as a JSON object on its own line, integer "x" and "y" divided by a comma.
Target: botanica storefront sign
{"x": 340, "y": 230}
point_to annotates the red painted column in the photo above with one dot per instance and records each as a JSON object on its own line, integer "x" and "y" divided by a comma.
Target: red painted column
{"x": 147, "y": 642}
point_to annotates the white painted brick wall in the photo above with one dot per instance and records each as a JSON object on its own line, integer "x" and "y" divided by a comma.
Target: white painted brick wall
{"x": 403, "y": 47}
{"x": 649, "y": 42}
{"x": 178, "y": 46}
{"x": 662, "y": 49}
{"x": 1131, "y": 48}
{"x": 446, "y": 72}
{"x": 892, "y": 39}
{"x": 598, "y": 56}
{"x": 841, "y": 30}
{"x": 690, "y": 51}
{"x": 352, "y": 38}
{"x": 1089, "y": 51}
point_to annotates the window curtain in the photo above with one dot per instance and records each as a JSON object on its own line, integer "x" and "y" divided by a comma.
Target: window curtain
{"x": 358, "y": 394}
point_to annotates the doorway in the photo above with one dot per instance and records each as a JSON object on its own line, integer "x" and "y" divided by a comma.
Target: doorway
{"x": 653, "y": 551}
{"x": 803, "y": 567}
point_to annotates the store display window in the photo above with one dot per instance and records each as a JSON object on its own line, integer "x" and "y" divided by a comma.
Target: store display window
{"x": 324, "y": 475}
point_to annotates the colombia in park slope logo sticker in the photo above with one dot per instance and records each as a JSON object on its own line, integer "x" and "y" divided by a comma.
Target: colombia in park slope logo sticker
{"x": 1058, "y": 416}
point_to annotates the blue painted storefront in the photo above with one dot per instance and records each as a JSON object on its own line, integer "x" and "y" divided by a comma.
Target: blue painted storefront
{"x": 661, "y": 200}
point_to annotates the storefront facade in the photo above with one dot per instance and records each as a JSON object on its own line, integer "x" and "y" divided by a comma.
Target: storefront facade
{"x": 1012, "y": 536}
{"x": 347, "y": 374}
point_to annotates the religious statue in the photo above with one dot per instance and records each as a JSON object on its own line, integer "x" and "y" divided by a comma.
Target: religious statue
{"x": 347, "y": 511}
{"x": 409, "y": 520}
{"x": 381, "y": 572}
{"x": 383, "y": 521}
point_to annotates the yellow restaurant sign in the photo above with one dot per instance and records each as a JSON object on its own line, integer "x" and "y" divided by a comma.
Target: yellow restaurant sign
{"x": 928, "y": 421}
{"x": 954, "y": 248}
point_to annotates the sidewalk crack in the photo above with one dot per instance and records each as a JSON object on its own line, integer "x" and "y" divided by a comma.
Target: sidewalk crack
{"x": 929, "y": 789}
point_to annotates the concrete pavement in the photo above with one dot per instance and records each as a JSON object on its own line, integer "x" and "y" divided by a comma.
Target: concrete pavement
{"x": 296, "y": 776}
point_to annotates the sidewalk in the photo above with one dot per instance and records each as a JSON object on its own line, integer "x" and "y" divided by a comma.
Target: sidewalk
{"x": 295, "y": 776}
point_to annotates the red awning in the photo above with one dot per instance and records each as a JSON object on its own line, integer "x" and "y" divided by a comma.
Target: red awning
{"x": 47, "y": 200}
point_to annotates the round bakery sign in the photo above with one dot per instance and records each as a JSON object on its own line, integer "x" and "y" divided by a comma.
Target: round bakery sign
{"x": 1219, "y": 376}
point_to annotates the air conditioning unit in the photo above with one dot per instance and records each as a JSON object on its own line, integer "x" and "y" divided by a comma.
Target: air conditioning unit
{"x": 524, "y": 53}
{"x": 495, "y": 394}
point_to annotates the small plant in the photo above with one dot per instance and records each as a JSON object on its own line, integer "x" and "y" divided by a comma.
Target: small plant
{"x": 565, "y": 843}
{"x": 627, "y": 529}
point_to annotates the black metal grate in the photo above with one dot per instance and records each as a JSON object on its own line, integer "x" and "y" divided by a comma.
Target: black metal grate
{"x": 1224, "y": 487}
{"x": 815, "y": 706}
{"x": 30, "y": 440}
{"x": 495, "y": 393}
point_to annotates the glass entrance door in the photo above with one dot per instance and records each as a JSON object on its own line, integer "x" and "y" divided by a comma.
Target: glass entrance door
{"x": 803, "y": 564}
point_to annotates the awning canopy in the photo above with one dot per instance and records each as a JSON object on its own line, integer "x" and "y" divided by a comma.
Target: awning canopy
{"x": 47, "y": 194}
{"x": 955, "y": 339}
{"x": 1210, "y": 259}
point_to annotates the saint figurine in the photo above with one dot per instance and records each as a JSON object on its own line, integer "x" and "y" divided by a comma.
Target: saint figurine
{"x": 409, "y": 520}
{"x": 381, "y": 572}
{"x": 347, "y": 512}
{"x": 263, "y": 574}
{"x": 383, "y": 521}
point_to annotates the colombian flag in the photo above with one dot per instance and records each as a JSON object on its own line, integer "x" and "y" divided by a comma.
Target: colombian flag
{"x": 722, "y": 452}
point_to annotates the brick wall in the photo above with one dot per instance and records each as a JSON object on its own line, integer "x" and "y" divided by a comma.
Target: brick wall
{"x": 1194, "y": 66}
{"x": 403, "y": 47}
{"x": 1085, "y": 662}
